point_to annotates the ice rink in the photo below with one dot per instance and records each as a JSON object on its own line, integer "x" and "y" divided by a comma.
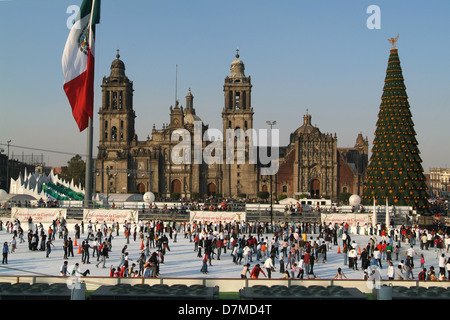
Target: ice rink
{"x": 181, "y": 260}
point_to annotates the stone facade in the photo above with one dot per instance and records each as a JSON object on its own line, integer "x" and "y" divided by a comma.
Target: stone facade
{"x": 309, "y": 164}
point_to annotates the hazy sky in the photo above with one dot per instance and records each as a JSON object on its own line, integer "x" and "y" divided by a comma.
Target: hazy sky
{"x": 315, "y": 55}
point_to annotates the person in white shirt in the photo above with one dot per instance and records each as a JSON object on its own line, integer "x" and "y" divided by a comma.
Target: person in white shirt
{"x": 268, "y": 264}
{"x": 398, "y": 275}
{"x": 442, "y": 262}
{"x": 447, "y": 243}
{"x": 410, "y": 252}
{"x": 447, "y": 267}
{"x": 77, "y": 272}
{"x": 391, "y": 271}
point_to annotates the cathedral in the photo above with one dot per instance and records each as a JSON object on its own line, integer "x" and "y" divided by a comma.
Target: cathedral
{"x": 310, "y": 165}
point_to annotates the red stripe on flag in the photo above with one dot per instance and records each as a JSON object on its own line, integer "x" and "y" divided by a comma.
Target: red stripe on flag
{"x": 80, "y": 92}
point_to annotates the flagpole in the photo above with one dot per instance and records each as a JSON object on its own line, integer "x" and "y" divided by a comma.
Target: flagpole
{"x": 89, "y": 173}
{"x": 88, "y": 184}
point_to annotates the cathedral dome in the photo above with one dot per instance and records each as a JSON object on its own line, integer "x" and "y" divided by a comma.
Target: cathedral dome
{"x": 118, "y": 64}
{"x": 307, "y": 129}
{"x": 117, "y": 67}
{"x": 237, "y": 68}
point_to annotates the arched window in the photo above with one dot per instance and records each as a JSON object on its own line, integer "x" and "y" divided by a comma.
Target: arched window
{"x": 114, "y": 100}
{"x": 114, "y": 133}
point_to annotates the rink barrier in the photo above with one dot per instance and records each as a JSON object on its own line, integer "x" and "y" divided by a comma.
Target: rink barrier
{"x": 227, "y": 284}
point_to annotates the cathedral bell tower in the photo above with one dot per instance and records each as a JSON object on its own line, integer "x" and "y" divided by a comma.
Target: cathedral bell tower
{"x": 238, "y": 112}
{"x": 238, "y": 178}
{"x": 117, "y": 114}
{"x": 117, "y": 130}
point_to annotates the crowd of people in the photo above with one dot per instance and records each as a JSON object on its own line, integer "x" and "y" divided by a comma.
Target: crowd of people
{"x": 292, "y": 250}
{"x": 289, "y": 248}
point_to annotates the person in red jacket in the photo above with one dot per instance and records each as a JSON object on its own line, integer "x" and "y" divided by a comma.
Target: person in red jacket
{"x": 255, "y": 272}
{"x": 219, "y": 246}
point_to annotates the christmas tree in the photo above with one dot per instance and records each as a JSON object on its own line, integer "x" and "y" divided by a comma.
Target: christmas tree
{"x": 395, "y": 171}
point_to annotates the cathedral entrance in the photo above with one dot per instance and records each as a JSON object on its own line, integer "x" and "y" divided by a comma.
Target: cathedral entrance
{"x": 315, "y": 188}
{"x": 212, "y": 189}
{"x": 141, "y": 188}
{"x": 176, "y": 186}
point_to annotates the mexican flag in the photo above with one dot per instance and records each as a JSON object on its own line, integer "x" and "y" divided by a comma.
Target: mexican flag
{"x": 78, "y": 63}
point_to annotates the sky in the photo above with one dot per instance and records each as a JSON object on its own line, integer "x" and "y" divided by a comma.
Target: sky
{"x": 315, "y": 55}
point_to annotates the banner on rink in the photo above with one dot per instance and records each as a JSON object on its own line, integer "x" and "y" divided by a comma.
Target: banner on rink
{"x": 38, "y": 215}
{"x": 110, "y": 216}
{"x": 350, "y": 218}
{"x": 216, "y": 216}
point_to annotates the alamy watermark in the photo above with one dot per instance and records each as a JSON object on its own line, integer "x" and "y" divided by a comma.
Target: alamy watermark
{"x": 73, "y": 281}
{"x": 237, "y": 147}
{"x": 374, "y": 21}
{"x": 373, "y": 278}
{"x": 73, "y": 10}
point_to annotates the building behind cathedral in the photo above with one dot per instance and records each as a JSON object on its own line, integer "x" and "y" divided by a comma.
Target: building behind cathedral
{"x": 311, "y": 164}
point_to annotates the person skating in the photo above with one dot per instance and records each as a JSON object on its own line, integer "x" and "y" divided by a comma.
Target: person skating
{"x": 268, "y": 264}
{"x": 204, "y": 268}
{"x": 245, "y": 270}
{"x": 5, "y": 252}
{"x": 48, "y": 247}
{"x": 103, "y": 254}
{"x": 77, "y": 273}
{"x": 256, "y": 271}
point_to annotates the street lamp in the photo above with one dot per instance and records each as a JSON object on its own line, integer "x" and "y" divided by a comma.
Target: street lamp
{"x": 271, "y": 124}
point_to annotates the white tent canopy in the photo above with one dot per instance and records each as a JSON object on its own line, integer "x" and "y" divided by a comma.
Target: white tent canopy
{"x": 288, "y": 201}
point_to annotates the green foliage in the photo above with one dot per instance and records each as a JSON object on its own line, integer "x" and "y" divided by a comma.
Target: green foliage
{"x": 76, "y": 170}
{"x": 176, "y": 196}
{"x": 195, "y": 195}
{"x": 263, "y": 194}
{"x": 282, "y": 196}
{"x": 344, "y": 197}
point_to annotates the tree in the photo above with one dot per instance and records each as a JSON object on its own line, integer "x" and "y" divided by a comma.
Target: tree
{"x": 282, "y": 196}
{"x": 344, "y": 196}
{"x": 76, "y": 170}
{"x": 263, "y": 194}
{"x": 395, "y": 171}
